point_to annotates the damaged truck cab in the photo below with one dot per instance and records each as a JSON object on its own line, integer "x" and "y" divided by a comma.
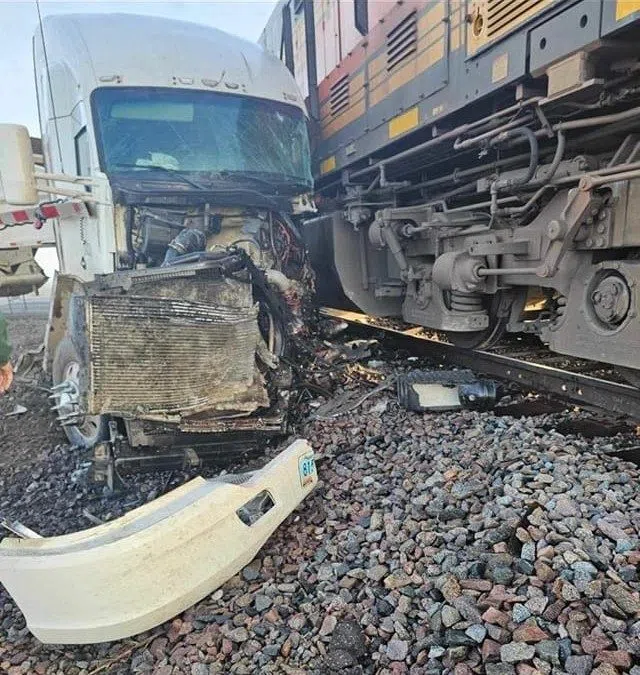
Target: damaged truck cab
{"x": 181, "y": 287}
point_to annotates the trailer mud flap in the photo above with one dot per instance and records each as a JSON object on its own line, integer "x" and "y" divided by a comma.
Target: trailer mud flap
{"x": 127, "y": 576}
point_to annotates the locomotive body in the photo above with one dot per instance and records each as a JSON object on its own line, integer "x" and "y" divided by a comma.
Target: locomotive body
{"x": 477, "y": 164}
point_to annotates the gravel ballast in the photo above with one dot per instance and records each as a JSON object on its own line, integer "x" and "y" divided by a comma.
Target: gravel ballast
{"x": 438, "y": 543}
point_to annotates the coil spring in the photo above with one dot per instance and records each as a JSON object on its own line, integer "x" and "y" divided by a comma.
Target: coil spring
{"x": 465, "y": 302}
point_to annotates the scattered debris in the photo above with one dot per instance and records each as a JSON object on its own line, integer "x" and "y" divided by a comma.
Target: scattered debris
{"x": 357, "y": 350}
{"x": 107, "y": 665}
{"x": 17, "y": 410}
{"x": 350, "y": 352}
{"x": 28, "y": 360}
{"x": 350, "y": 401}
{"x": 359, "y": 373}
{"x": 332, "y": 327}
{"x": 20, "y": 530}
{"x": 380, "y": 407}
{"x": 91, "y": 518}
{"x": 441, "y": 390}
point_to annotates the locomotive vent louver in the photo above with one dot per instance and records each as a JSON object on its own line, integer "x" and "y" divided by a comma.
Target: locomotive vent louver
{"x": 339, "y": 96}
{"x": 502, "y": 13}
{"x": 402, "y": 41}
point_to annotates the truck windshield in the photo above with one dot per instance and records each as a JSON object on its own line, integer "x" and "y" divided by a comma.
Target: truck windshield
{"x": 201, "y": 132}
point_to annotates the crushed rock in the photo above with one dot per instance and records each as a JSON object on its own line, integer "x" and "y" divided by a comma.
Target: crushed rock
{"x": 460, "y": 542}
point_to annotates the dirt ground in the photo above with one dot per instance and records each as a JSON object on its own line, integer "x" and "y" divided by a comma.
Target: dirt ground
{"x": 24, "y": 437}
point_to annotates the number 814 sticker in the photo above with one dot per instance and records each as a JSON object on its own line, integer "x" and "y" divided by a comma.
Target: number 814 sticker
{"x": 307, "y": 469}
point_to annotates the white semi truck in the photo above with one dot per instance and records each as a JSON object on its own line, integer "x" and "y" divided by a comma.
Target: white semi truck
{"x": 183, "y": 272}
{"x": 175, "y": 164}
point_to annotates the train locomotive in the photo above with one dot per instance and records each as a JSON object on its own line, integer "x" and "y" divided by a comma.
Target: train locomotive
{"x": 477, "y": 165}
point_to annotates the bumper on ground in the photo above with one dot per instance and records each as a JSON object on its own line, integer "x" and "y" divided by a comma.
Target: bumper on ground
{"x": 129, "y": 575}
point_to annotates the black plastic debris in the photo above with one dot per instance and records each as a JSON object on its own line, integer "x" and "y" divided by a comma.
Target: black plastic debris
{"x": 439, "y": 390}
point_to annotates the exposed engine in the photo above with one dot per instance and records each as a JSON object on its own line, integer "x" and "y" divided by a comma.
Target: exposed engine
{"x": 189, "y": 346}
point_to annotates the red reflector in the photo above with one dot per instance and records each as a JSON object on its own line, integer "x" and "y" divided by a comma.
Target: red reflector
{"x": 49, "y": 211}
{"x": 20, "y": 216}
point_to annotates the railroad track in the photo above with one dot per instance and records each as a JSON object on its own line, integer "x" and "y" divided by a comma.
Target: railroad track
{"x": 606, "y": 394}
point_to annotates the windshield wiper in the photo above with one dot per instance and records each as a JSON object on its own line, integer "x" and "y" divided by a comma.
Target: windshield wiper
{"x": 166, "y": 169}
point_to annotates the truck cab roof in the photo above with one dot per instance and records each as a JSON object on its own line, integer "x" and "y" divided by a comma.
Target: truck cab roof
{"x": 132, "y": 50}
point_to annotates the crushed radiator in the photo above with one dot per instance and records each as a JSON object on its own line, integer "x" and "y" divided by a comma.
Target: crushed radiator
{"x": 162, "y": 358}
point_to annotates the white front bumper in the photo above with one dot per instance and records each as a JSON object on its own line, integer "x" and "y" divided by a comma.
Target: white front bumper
{"x": 129, "y": 575}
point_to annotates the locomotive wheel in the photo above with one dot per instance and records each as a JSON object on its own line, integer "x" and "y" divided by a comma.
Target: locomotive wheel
{"x": 480, "y": 339}
{"x": 489, "y": 336}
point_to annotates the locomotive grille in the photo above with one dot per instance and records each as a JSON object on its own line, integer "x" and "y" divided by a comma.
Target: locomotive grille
{"x": 505, "y": 14}
{"x": 402, "y": 41}
{"x": 159, "y": 356}
{"x": 339, "y": 96}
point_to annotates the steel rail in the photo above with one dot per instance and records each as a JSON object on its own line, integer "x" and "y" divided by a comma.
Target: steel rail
{"x": 611, "y": 396}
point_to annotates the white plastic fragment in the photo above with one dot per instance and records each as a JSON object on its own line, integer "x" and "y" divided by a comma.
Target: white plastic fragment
{"x": 17, "y": 410}
{"x": 131, "y": 574}
{"x": 17, "y": 528}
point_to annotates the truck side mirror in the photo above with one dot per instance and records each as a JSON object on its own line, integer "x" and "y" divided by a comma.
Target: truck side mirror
{"x": 17, "y": 171}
